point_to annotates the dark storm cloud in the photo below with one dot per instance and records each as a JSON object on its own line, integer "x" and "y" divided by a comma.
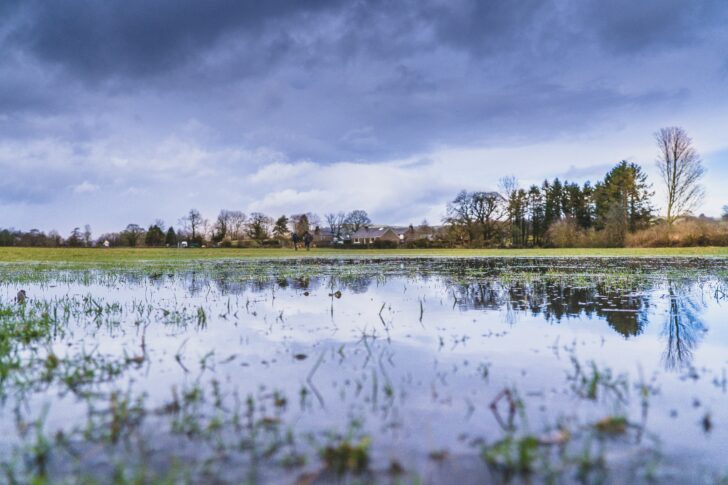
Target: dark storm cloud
{"x": 539, "y": 27}
{"x": 196, "y": 45}
{"x": 626, "y": 26}
{"x": 123, "y": 94}
{"x": 17, "y": 96}
{"x": 486, "y": 28}
{"x": 522, "y": 113}
{"x": 101, "y": 39}
{"x": 135, "y": 38}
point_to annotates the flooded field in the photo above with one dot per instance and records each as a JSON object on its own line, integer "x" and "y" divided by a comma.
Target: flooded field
{"x": 366, "y": 371}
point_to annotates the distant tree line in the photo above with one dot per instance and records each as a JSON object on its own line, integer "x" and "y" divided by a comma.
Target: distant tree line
{"x": 555, "y": 212}
{"x": 229, "y": 228}
{"x": 615, "y": 211}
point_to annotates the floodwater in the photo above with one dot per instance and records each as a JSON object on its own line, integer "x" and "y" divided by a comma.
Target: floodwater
{"x": 361, "y": 371}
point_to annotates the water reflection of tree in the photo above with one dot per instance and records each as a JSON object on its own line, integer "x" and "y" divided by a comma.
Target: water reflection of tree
{"x": 231, "y": 284}
{"x": 683, "y": 327}
{"x": 625, "y": 310}
{"x": 195, "y": 282}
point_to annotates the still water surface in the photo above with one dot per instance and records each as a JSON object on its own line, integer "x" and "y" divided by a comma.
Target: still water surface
{"x": 230, "y": 370}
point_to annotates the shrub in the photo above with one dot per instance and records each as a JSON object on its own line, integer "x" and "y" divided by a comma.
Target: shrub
{"x": 690, "y": 231}
{"x": 248, "y": 243}
{"x": 379, "y": 244}
{"x": 563, "y": 234}
{"x": 270, "y": 243}
{"x": 425, "y": 243}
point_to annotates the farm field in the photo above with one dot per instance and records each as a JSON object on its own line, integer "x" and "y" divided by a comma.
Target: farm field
{"x": 376, "y": 370}
{"x": 70, "y": 255}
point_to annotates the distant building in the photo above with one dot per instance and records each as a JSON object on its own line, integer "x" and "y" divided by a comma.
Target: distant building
{"x": 371, "y": 235}
{"x": 405, "y": 233}
{"x": 323, "y": 236}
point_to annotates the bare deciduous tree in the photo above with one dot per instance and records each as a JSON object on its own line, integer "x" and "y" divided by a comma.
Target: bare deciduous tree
{"x": 236, "y": 223}
{"x": 478, "y": 213}
{"x": 487, "y": 208}
{"x": 508, "y": 185}
{"x": 221, "y": 227}
{"x": 192, "y": 222}
{"x": 229, "y": 224}
{"x": 336, "y": 223}
{"x": 681, "y": 170}
{"x": 356, "y": 219}
{"x": 205, "y": 230}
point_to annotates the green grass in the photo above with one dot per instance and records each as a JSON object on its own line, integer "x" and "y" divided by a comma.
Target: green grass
{"x": 116, "y": 255}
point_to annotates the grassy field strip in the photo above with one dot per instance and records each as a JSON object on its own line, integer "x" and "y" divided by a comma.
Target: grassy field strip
{"x": 116, "y": 255}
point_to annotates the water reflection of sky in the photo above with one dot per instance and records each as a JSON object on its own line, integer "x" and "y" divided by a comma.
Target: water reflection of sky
{"x": 428, "y": 337}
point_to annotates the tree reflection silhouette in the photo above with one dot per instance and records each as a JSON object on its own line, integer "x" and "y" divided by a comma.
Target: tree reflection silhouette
{"x": 624, "y": 310}
{"x": 683, "y": 328}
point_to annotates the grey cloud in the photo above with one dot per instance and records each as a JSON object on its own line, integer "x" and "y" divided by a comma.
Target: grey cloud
{"x": 626, "y": 26}
{"x": 522, "y": 113}
{"x": 16, "y": 99}
{"x": 488, "y": 27}
{"x": 247, "y": 82}
{"x": 99, "y": 38}
{"x": 21, "y": 185}
{"x": 15, "y": 193}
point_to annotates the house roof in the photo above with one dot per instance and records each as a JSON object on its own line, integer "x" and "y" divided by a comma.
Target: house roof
{"x": 323, "y": 231}
{"x": 369, "y": 233}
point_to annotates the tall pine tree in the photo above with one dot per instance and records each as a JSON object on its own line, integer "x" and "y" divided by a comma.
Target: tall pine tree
{"x": 622, "y": 199}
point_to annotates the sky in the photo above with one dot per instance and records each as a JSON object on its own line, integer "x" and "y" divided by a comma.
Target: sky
{"x": 128, "y": 111}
